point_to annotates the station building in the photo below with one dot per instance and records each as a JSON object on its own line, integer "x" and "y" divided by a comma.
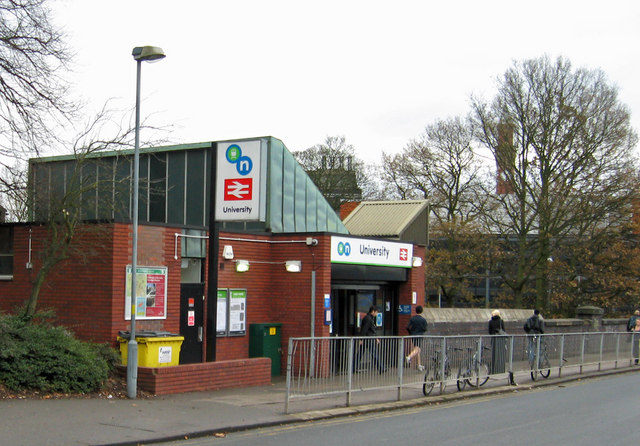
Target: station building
{"x": 235, "y": 243}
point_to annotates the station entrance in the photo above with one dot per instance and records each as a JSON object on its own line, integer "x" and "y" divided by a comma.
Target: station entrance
{"x": 350, "y": 303}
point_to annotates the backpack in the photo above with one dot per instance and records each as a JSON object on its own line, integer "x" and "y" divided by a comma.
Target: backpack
{"x": 531, "y": 324}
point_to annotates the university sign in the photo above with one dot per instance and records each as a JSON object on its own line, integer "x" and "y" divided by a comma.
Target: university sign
{"x": 239, "y": 185}
{"x": 370, "y": 252}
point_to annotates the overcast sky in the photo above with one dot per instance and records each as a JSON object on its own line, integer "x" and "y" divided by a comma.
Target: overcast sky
{"x": 376, "y": 72}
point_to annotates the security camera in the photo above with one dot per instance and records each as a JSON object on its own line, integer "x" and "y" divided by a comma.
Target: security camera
{"x": 312, "y": 241}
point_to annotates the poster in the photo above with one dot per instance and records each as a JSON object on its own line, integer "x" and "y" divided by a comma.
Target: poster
{"x": 237, "y": 311}
{"x": 232, "y": 312}
{"x": 151, "y": 292}
{"x": 221, "y": 319}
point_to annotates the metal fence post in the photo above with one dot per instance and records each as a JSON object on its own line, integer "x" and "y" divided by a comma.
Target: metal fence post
{"x": 538, "y": 339}
{"x": 511, "y": 378}
{"x": 561, "y": 360}
{"x": 443, "y": 356}
{"x": 289, "y": 368}
{"x": 601, "y": 349}
{"x": 634, "y": 346}
{"x": 401, "y": 342}
{"x": 584, "y": 339}
{"x": 478, "y": 362}
{"x": 617, "y": 350}
{"x": 350, "y": 370}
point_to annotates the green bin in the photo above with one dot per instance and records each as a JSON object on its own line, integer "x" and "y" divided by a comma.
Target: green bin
{"x": 265, "y": 342}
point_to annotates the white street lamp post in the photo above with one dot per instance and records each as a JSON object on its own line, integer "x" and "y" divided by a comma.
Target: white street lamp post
{"x": 140, "y": 54}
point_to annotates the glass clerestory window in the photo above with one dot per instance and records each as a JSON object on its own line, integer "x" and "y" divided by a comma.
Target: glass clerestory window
{"x": 6, "y": 252}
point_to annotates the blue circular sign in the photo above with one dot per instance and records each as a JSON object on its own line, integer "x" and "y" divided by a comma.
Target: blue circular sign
{"x": 344, "y": 249}
{"x": 244, "y": 164}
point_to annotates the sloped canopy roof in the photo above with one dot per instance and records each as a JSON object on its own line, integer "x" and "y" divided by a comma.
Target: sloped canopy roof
{"x": 175, "y": 188}
{"x": 387, "y": 219}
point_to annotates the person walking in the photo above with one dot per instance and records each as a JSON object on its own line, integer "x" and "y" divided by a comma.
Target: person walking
{"x": 417, "y": 326}
{"x": 368, "y": 327}
{"x": 498, "y": 342}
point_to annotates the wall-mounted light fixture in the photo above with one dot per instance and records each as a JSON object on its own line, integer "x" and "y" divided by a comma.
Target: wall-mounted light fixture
{"x": 227, "y": 252}
{"x": 416, "y": 262}
{"x": 293, "y": 266}
{"x": 242, "y": 266}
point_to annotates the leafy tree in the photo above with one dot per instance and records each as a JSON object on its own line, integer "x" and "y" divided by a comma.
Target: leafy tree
{"x": 567, "y": 158}
{"x": 335, "y": 170}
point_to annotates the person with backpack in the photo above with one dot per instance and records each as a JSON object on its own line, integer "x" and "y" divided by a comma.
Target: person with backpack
{"x": 534, "y": 326}
{"x": 417, "y": 327}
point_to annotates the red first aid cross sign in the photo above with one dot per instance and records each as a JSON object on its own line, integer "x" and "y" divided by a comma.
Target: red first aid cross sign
{"x": 238, "y": 189}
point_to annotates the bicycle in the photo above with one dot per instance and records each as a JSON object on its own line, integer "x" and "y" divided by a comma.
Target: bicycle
{"x": 434, "y": 373}
{"x": 538, "y": 363}
{"x": 474, "y": 372}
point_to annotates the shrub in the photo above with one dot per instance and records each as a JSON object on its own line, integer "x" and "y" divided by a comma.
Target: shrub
{"x": 39, "y": 356}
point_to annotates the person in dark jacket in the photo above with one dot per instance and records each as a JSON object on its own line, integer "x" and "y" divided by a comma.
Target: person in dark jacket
{"x": 417, "y": 326}
{"x": 535, "y": 324}
{"x": 498, "y": 343}
{"x": 368, "y": 328}
{"x": 496, "y": 324}
{"x": 631, "y": 323}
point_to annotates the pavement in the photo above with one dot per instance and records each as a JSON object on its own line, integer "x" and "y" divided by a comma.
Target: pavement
{"x": 58, "y": 422}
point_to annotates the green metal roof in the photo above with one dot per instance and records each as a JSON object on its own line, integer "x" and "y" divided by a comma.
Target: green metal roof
{"x": 175, "y": 188}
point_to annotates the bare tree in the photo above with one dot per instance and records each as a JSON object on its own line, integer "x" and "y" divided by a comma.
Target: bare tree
{"x": 442, "y": 167}
{"x": 14, "y": 199}
{"x": 567, "y": 161}
{"x": 33, "y": 91}
{"x": 66, "y": 234}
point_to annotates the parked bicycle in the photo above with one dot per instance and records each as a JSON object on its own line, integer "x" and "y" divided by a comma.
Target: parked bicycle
{"x": 434, "y": 373}
{"x": 473, "y": 371}
{"x": 539, "y": 363}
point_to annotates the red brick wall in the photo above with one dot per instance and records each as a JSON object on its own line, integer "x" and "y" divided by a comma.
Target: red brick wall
{"x": 273, "y": 294}
{"x": 347, "y": 208}
{"x": 202, "y": 377}
{"x": 87, "y": 292}
{"x": 75, "y": 289}
{"x": 89, "y": 296}
{"x": 414, "y": 284}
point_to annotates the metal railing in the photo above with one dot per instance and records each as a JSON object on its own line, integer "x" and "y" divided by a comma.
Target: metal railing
{"x": 344, "y": 365}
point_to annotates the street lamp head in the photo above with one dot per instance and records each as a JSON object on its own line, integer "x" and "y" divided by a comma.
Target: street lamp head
{"x": 148, "y": 53}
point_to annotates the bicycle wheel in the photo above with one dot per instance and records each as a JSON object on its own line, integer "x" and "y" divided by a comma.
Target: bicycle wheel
{"x": 429, "y": 382}
{"x": 534, "y": 371}
{"x": 463, "y": 377}
{"x": 481, "y": 377}
{"x": 545, "y": 367}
